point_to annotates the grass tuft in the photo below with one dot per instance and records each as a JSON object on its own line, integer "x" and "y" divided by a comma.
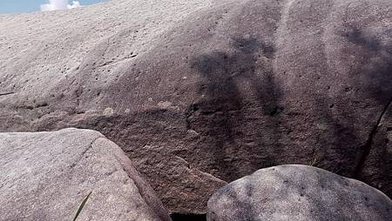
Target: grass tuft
{"x": 81, "y": 206}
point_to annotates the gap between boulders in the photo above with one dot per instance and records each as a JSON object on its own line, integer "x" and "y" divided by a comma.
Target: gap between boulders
{"x": 188, "y": 217}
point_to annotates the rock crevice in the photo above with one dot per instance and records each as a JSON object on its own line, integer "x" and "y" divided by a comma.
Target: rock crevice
{"x": 368, "y": 145}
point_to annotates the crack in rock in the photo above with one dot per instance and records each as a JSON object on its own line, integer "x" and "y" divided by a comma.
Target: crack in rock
{"x": 6, "y": 93}
{"x": 369, "y": 141}
{"x": 90, "y": 146}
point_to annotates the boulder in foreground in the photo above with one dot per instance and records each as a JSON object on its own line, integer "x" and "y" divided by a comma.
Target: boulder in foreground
{"x": 45, "y": 176}
{"x": 298, "y": 192}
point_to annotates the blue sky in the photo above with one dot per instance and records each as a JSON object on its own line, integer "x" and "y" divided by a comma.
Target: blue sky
{"x": 18, "y": 6}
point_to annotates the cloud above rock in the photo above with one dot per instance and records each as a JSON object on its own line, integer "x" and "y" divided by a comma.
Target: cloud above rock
{"x": 59, "y": 5}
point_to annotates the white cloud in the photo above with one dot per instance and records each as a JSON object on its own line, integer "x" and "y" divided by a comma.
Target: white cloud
{"x": 59, "y": 5}
{"x": 75, "y": 4}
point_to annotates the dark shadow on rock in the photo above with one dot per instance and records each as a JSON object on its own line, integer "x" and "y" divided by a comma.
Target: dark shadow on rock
{"x": 377, "y": 62}
{"x": 219, "y": 109}
{"x": 338, "y": 140}
{"x": 224, "y": 107}
{"x": 375, "y": 164}
{"x": 356, "y": 36}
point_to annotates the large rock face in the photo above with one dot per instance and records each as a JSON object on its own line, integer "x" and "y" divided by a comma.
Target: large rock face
{"x": 201, "y": 92}
{"x": 45, "y": 176}
{"x": 298, "y": 193}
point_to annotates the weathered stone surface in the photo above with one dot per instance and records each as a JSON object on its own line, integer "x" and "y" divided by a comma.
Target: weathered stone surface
{"x": 201, "y": 92}
{"x": 298, "y": 192}
{"x": 45, "y": 176}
